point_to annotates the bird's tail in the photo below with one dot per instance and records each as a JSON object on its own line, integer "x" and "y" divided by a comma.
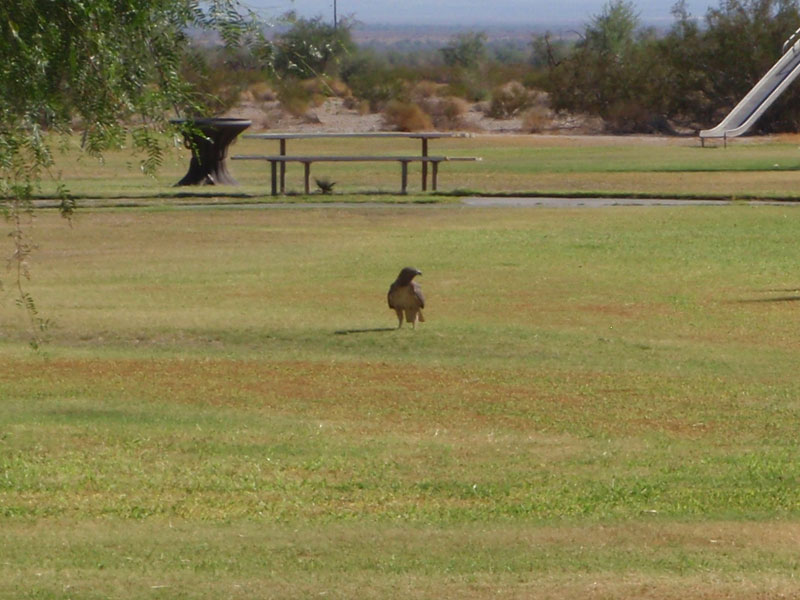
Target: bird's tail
{"x": 421, "y": 318}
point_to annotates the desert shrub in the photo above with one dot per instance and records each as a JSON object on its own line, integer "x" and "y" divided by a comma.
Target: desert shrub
{"x": 312, "y": 47}
{"x": 509, "y": 100}
{"x": 261, "y": 91}
{"x": 637, "y": 81}
{"x": 630, "y": 116}
{"x": 537, "y": 119}
{"x": 371, "y": 79}
{"x": 470, "y": 86}
{"x": 378, "y": 88}
{"x": 612, "y": 71}
{"x": 294, "y": 98}
{"x": 465, "y": 50}
{"x": 445, "y": 113}
{"x": 219, "y": 76}
{"x": 425, "y": 89}
{"x": 451, "y": 112}
{"x": 356, "y": 104}
{"x": 317, "y": 100}
{"x": 215, "y": 85}
{"x": 326, "y": 86}
{"x": 406, "y": 116}
{"x": 339, "y": 88}
{"x": 246, "y": 96}
{"x": 713, "y": 65}
{"x": 468, "y": 73}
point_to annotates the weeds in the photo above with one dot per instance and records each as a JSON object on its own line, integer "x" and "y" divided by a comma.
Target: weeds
{"x": 325, "y": 185}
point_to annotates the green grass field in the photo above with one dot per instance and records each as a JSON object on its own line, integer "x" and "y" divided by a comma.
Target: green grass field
{"x": 602, "y": 403}
{"x": 540, "y": 165}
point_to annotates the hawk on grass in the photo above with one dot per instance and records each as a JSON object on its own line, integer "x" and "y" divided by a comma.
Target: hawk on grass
{"x": 405, "y": 297}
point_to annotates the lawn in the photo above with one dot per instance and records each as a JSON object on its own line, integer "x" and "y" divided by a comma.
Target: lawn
{"x": 535, "y": 165}
{"x": 602, "y": 403}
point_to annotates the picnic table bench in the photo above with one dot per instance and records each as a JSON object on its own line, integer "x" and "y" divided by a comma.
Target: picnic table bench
{"x": 282, "y": 158}
{"x": 275, "y": 160}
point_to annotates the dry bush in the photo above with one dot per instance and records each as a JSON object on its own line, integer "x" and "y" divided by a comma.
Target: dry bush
{"x": 339, "y": 88}
{"x": 406, "y": 116}
{"x": 453, "y": 111}
{"x": 360, "y": 106}
{"x": 326, "y": 86}
{"x": 262, "y": 92}
{"x": 351, "y": 103}
{"x": 294, "y": 99}
{"x": 537, "y": 119}
{"x": 297, "y": 97}
{"x": 628, "y": 116}
{"x": 510, "y": 100}
{"x": 317, "y": 100}
{"x": 246, "y": 97}
{"x": 446, "y": 113}
{"x": 426, "y": 89}
{"x": 481, "y": 107}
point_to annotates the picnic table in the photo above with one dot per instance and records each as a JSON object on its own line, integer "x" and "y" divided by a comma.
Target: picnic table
{"x": 282, "y": 157}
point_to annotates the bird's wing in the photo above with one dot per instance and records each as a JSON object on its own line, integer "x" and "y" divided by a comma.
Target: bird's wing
{"x": 391, "y": 292}
{"x": 418, "y": 293}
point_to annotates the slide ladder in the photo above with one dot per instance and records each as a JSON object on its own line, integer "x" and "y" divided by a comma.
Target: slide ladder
{"x": 763, "y": 94}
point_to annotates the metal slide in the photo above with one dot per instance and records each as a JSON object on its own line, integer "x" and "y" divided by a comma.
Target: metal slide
{"x": 763, "y": 94}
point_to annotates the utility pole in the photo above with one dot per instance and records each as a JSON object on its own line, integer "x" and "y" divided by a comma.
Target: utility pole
{"x": 334, "y": 14}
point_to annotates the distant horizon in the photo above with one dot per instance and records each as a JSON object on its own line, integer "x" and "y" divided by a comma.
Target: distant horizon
{"x": 471, "y": 13}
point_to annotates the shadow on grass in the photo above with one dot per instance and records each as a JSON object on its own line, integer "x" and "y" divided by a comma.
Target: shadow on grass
{"x": 795, "y": 298}
{"x": 372, "y": 330}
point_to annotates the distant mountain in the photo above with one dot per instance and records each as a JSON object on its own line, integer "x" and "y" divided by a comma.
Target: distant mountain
{"x": 475, "y": 13}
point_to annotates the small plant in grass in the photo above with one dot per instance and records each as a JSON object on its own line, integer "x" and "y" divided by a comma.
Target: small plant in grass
{"x": 325, "y": 185}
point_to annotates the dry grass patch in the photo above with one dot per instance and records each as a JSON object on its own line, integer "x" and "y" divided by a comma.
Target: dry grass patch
{"x": 459, "y": 404}
{"x": 220, "y": 439}
{"x": 654, "y": 561}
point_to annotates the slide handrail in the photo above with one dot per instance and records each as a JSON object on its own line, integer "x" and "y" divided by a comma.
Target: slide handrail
{"x": 790, "y": 40}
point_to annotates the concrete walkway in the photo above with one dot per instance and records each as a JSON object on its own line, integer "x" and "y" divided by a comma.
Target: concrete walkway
{"x": 600, "y": 202}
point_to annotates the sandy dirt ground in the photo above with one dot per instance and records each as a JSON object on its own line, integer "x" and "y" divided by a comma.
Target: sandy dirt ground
{"x": 334, "y": 116}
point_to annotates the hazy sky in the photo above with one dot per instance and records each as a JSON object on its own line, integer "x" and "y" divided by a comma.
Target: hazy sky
{"x": 438, "y": 12}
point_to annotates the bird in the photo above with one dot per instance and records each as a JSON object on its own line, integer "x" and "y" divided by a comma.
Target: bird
{"x": 405, "y": 297}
